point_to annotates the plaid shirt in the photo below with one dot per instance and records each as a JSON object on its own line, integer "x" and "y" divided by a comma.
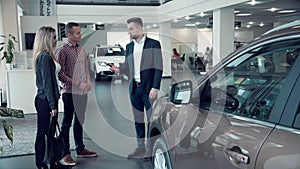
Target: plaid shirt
{"x": 75, "y": 64}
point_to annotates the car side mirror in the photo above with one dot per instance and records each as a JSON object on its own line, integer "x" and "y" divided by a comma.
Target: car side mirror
{"x": 180, "y": 93}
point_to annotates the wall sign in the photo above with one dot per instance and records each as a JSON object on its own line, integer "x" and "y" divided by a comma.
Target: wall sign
{"x": 46, "y": 7}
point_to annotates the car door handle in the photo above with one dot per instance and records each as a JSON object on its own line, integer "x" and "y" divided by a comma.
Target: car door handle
{"x": 235, "y": 154}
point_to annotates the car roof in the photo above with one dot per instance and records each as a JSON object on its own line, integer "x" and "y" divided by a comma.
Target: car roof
{"x": 285, "y": 26}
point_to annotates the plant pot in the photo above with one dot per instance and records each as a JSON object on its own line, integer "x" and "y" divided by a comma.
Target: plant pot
{"x": 9, "y": 66}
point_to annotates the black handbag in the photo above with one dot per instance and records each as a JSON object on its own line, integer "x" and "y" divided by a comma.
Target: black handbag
{"x": 55, "y": 146}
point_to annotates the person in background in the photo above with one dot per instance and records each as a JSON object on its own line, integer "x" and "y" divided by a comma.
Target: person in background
{"x": 75, "y": 77}
{"x": 46, "y": 101}
{"x": 175, "y": 53}
{"x": 144, "y": 66}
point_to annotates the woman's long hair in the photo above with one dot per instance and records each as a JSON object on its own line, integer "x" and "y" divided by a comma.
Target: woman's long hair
{"x": 43, "y": 42}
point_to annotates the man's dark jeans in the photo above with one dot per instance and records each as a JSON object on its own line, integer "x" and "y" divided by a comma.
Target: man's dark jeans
{"x": 74, "y": 107}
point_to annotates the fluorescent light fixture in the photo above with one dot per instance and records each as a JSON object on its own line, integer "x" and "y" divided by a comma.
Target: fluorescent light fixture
{"x": 243, "y": 14}
{"x": 287, "y": 11}
{"x": 190, "y": 25}
{"x": 273, "y": 9}
{"x": 237, "y": 11}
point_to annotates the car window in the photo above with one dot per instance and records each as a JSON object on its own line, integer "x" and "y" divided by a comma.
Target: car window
{"x": 110, "y": 51}
{"x": 249, "y": 85}
{"x": 296, "y": 123}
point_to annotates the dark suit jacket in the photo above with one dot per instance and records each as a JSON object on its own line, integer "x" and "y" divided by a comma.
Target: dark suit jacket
{"x": 151, "y": 65}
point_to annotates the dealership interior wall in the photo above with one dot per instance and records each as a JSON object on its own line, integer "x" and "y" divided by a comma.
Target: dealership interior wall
{"x": 19, "y": 17}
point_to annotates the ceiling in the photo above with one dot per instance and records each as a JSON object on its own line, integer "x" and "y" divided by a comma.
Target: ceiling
{"x": 259, "y": 13}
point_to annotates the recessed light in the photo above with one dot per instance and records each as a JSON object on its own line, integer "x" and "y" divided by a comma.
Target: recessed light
{"x": 251, "y": 23}
{"x": 273, "y": 9}
{"x": 286, "y": 11}
{"x": 261, "y": 24}
{"x": 187, "y": 18}
{"x": 197, "y": 23}
{"x": 243, "y": 14}
{"x": 202, "y": 14}
{"x": 236, "y": 27}
{"x": 248, "y": 26}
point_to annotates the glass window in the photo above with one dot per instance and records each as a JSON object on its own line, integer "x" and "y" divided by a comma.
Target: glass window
{"x": 249, "y": 85}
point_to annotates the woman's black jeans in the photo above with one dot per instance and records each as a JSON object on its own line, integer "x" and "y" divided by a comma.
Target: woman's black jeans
{"x": 43, "y": 119}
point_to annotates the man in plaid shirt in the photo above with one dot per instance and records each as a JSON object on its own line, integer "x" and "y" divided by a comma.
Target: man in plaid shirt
{"x": 75, "y": 77}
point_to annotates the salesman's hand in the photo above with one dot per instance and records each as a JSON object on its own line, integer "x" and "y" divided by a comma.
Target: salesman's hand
{"x": 53, "y": 112}
{"x": 115, "y": 69}
{"x": 153, "y": 93}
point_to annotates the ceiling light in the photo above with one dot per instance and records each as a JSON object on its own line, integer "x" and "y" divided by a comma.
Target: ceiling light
{"x": 187, "y": 18}
{"x": 261, "y": 24}
{"x": 248, "y": 26}
{"x": 190, "y": 25}
{"x": 286, "y": 11}
{"x": 148, "y": 27}
{"x": 236, "y": 27}
{"x": 175, "y": 20}
{"x": 272, "y": 9}
{"x": 155, "y": 25}
{"x": 236, "y": 11}
{"x": 243, "y": 14}
{"x": 251, "y": 23}
{"x": 197, "y": 23}
{"x": 253, "y": 2}
{"x": 202, "y": 14}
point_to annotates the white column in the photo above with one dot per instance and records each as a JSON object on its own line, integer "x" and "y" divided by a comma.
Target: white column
{"x": 165, "y": 40}
{"x": 223, "y": 33}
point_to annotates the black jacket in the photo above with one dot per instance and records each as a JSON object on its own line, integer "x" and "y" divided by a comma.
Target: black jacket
{"x": 151, "y": 65}
{"x": 46, "y": 79}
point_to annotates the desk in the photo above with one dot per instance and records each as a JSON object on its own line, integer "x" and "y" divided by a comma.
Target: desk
{"x": 21, "y": 90}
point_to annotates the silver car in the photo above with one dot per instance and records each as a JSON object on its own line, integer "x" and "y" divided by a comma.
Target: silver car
{"x": 244, "y": 113}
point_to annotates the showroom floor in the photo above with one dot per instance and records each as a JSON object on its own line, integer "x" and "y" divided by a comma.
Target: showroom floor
{"x": 109, "y": 129}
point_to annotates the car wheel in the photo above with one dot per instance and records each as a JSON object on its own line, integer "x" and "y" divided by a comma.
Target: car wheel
{"x": 97, "y": 77}
{"x": 161, "y": 158}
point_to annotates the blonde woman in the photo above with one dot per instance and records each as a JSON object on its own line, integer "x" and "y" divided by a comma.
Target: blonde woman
{"x": 46, "y": 101}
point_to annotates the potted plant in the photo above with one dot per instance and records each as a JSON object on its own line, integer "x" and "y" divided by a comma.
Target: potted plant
{"x": 8, "y": 129}
{"x": 8, "y": 47}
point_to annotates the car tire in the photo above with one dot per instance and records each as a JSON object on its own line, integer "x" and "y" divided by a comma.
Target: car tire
{"x": 97, "y": 77}
{"x": 161, "y": 158}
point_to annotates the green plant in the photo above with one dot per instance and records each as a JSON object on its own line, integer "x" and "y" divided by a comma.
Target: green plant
{"x": 8, "y": 54}
{"x": 8, "y": 129}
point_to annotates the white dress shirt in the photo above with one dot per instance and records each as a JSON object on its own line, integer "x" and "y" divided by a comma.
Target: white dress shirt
{"x": 137, "y": 57}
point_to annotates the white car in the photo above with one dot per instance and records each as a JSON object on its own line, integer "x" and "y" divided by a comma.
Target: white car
{"x": 102, "y": 56}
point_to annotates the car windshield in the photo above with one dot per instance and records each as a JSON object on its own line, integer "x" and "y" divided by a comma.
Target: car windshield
{"x": 111, "y": 51}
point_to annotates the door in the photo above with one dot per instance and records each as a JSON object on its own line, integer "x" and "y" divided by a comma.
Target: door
{"x": 238, "y": 107}
{"x": 281, "y": 149}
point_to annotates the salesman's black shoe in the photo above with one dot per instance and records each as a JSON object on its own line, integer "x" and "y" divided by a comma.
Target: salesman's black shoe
{"x": 138, "y": 152}
{"x": 147, "y": 156}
